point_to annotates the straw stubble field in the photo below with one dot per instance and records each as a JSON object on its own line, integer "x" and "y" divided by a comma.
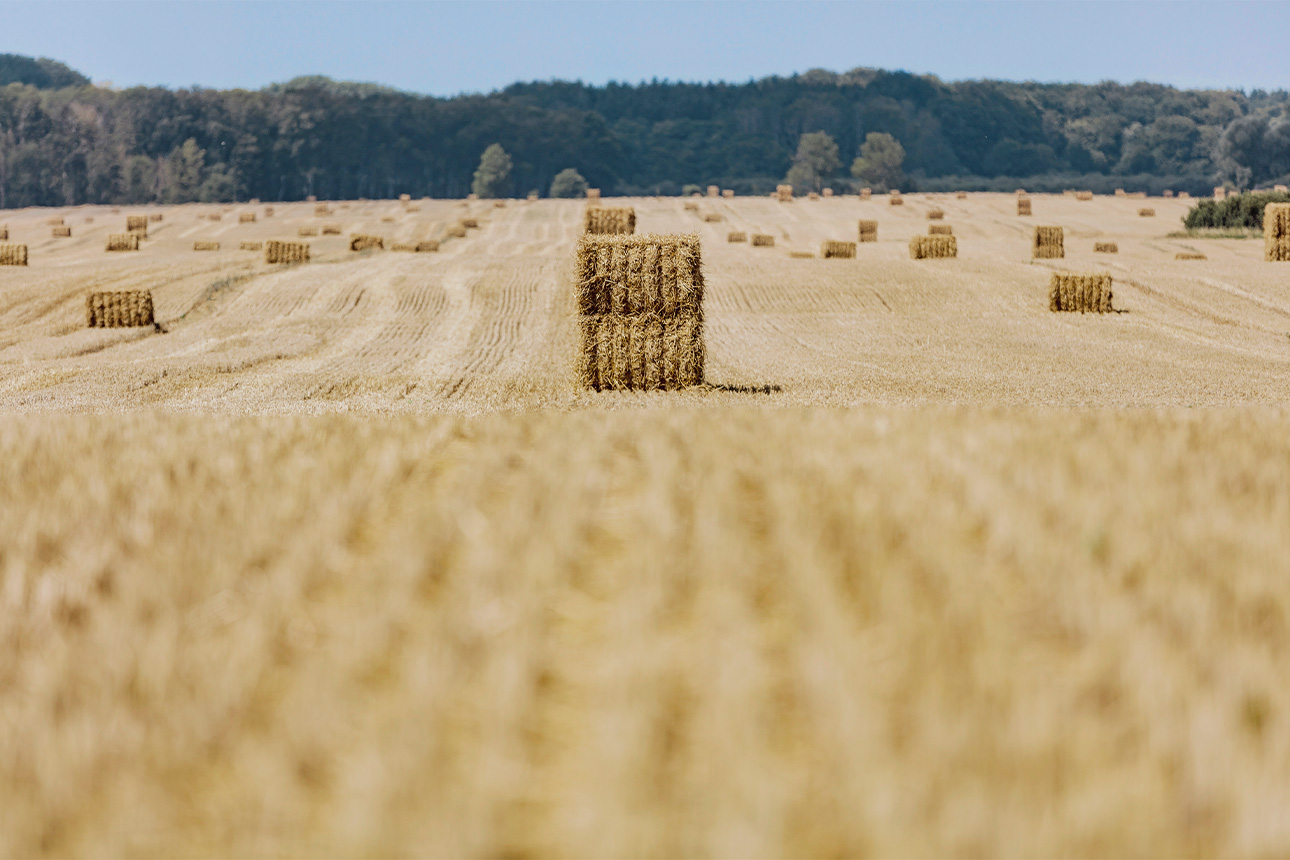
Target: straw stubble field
{"x": 338, "y": 559}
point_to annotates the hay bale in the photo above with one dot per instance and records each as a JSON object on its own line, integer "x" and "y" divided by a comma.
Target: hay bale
{"x": 403, "y": 246}
{"x": 268, "y": 211}
{"x": 206, "y": 246}
{"x": 215, "y": 216}
{"x": 940, "y": 230}
{"x": 690, "y": 206}
{"x": 713, "y": 217}
{"x": 286, "y": 252}
{"x": 1119, "y": 192}
{"x": 13, "y": 255}
{"x": 1220, "y": 192}
{"x": 533, "y": 195}
{"x": 1168, "y": 192}
{"x": 762, "y": 240}
{"x": 714, "y": 191}
{"x": 249, "y": 246}
{"x": 55, "y": 222}
{"x": 4, "y": 233}
{"x": 121, "y": 309}
{"x": 1085, "y": 293}
{"x": 137, "y": 222}
{"x": 154, "y": 217}
{"x": 1189, "y": 255}
{"x": 960, "y": 195}
{"x": 322, "y": 209}
{"x": 1137, "y": 195}
{"x": 63, "y": 232}
{"x": 933, "y": 247}
{"x": 254, "y": 201}
{"x": 640, "y": 306}
{"x": 1049, "y": 243}
{"x": 387, "y": 219}
{"x": 362, "y": 242}
{"x": 812, "y": 196}
{"x": 405, "y": 198}
{"x": 736, "y": 236}
{"x": 1184, "y": 195}
{"x": 331, "y": 229}
{"x": 728, "y": 193}
{"x": 609, "y": 220}
{"x": 307, "y": 231}
{"x": 935, "y": 215}
{"x": 456, "y": 231}
{"x": 784, "y": 193}
{"x": 593, "y": 194}
{"x": 827, "y": 192}
{"x": 123, "y": 242}
{"x": 312, "y": 198}
{"x": 246, "y": 218}
{"x": 866, "y": 193}
{"x": 1083, "y": 195}
{"x": 868, "y": 230}
{"x": 1106, "y": 248}
{"x": 1023, "y": 206}
{"x": 469, "y": 223}
{"x": 1146, "y": 212}
{"x": 1020, "y": 192}
{"x": 894, "y": 198}
{"x": 426, "y": 246}
{"x": 802, "y": 255}
{"x": 1276, "y": 232}
{"x": 1280, "y": 189}
{"x": 830, "y": 249}
{"x": 89, "y": 219}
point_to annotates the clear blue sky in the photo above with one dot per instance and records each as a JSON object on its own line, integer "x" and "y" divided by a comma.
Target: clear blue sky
{"x": 445, "y": 48}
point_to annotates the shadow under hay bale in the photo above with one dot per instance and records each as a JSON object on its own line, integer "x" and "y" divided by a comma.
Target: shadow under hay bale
{"x": 940, "y": 230}
{"x": 933, "y": 247}
{"x": 868, "y": 230}
{"x": 736, "y": 236}
{"x": 286, "y": 252}
{"x": 13, "y": 255}
{"x": 123, "y": 309}
{"x": 609, "y": 220}
{"x": 762, "y": 240}
{"x": 1085, "y": 293}
{"x": 123, "y": 242}
{"x": 831, "y": 249}
{"x": 1049, "y": 244}
{"x": 362, "y": 242}
{"x": 640, "y": 305}
{"x": 1106, "y": 248}
{"x": 1276, "y": 232}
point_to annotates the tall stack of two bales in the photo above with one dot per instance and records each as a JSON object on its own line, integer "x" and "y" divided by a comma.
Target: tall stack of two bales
{"x": 1276, "y": 232}
{"x": 640, "y": 306}
{"x": 1049, "y": 244}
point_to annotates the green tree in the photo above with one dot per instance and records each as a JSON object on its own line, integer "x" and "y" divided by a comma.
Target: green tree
{"x": 880, "y": 162}
{"x": 493, "y": 178}
{"x": 816, "y": 161}
{"x": 568, "y": 183}
{"x": 186, "y": 165}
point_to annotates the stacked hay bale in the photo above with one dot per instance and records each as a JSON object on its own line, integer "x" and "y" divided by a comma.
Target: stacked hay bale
{"x": 714, "y": 191}
{"x": 1106, "y": 248}
{"x": 762, "y": 240}
{"x": 249, "y": 246}
{"x": 894, "y": 198}
{"x": 246, "y": 218}
{"x": 935, "y": 215}
{"x": 736, "y": 236}
{"x": 784, "y": 193}
{"x": 13, "y": 255}
{"x": 362, "y": 242}
{"x": 940, "y": 230}
{"x": 1023, "y": 206}
{"x": 1146, "y": 212}
{"x": 640, "y": 305}
{"x": 206, "y": 246}
{"x": 1189, "y": 255}
{"x": 866, "y": 193}
{"x": 123, "y": 309}
{"x": 123, "y": 242}
{"x": 1049, "y": 244}
{"x": 1083, "y": 195}
{"x": 932, "y": 247}
{"x": 868, "y": 230}
{"x": 1276, "y": 232}
{"x": 63, "y": 232}
{"x": 1085, "y": 293}
{"x": 593, "y": 194}
{"x": 286, "y": 252}
{"x": 728, "y": 193}
{"x": 307, "y": 231}
{"x": 1220, "y": 192}
{"x": 841, "y": 250}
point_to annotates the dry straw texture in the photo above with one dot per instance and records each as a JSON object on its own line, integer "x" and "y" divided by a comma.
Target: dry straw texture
{"x": 1189, "y": 255}
{"x": 413, "y": 208}
{"x": 1106, "y": 248}
{"x": 286, "y": 252}
{"x": 736, "y": 236}
{"x": 331, "y": 229}
{"x": 830, "y": 248}
{"x": 403, "y": 246}
{"x": 1023, "y": 206}
{"x": 784, "y": 193}
{"x": 122, "y": 242}
{"x": 1276, "y": 232}
{"x": 250, "y": 246}
{"x": 940, "y": 230}
{"x": 426, "y": 246}
{"x": 363, "y": 241}
{"x": 307, "y": 231}
{"x": 215, "y": 216}
{"x": 868, "y": 230}
{"x": 63, "y": 232}
{"x": 497, "y": 204}
{"x": 762, "y": 240}
{"x": 617, "y": 220}
{"x": 246, "y": 218}
{"x": 640, "y": 306}
{"x": 935, "y": 214}
{"x": 1137, "y": 195}
{"x": 13, "y": 255}
{"x": 123, "y": 309}
{"x": 1146, "y": 212}
{"x": 1083, "y": 195}
{"x": 933, "y": 247}
{"x": 1086, "y": 293}
{"x": 206, "y": 246}
{"x": 1049, "y": 243}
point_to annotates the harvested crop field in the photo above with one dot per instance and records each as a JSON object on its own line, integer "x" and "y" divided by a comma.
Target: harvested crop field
{"x": 339, "y": 558}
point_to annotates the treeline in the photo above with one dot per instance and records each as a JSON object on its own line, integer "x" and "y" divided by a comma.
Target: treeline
{"x": 64, "y": 142}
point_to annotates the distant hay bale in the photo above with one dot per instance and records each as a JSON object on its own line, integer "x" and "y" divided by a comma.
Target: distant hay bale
{"x": 1136, "y": 195}
{"x": 1083, "y": 293}
{"x": 426, "y": 246}
{"x": 331, "y": 229}
{"x": 762, "y": 240}
{"x": 469, "y": 223}
{"x": 1023, "y": 206}
{"x": 254, "y": 201}
{"x": 268, "y": 211}
{"x": 387, "y": 219}
{"x": 405, "y": 198}
{"x": 940, "y": 230}
{"x": 1219, "y": 192}
{"x": 4, "y": 233}
{"x": 714, "y": 191}
{"x": 1119, "y": 192}
{"x": 713, "y": 217}
{"x": 960, "y": 195}
{"x": 206, "y": 246}
{"x": 933, "y": 247}
{"x": 1049, "y": 243}
{"x": 155, "y": 217}
{"x": 54, "y": 222}
{"x": 784, "y": 193}
{"x": 363, "y": 241}
{"x": 690, "y": 206}
{"x": 868, "y": 230}
{"x": 286, "y": 252}
{"x": 246, "y": 218}
{"x": 935, "y": 214}
{"x": 1184, "y": 195}
{"x": 831, "y": 249}
{"x": 497, "y": 204}
{"x": 322, "y": 209}
{"x": 866, "y": 193}
{"x": 63, "y": 232}
{"x": 640, "y": 307}
{"x": 249, "y": 246}
{"x": 122, "y": 309}
{"x": 312, "y": 198}
{"x": 1106, "y": 248}
{"x": 1276, "y": 232}
{"x": 811, "y": 195}
{"x": 137, "y": 222}
{"x": 89, "y": 219}
{"x": 13, "y": 255}
{"x": 215, "y": 216}
{"x": 1168, "y": 192}
{"x": 593, "y": 193}
{"x": 403, "y": 246}
{"x": 894, "y": 198}
{"x": 827, "y": 192}
{"x": 456, "y": 231}
{"x": 1146, "y": 212}
{"x": 1189, "y": 255}
{"x": 533, "y": 195}
{"x": 1020, "y": 192}
{"x": 612, "y": 220}
{"x": 728, "y": 193}
{"x": 736, "y": 236}
{"x": 802, "y": 255}
{"x": 1280, "y": 189}
{"x": 1083, "y": 195}
{"x": 307, "y": 231}
{"x": 123, "y": 242}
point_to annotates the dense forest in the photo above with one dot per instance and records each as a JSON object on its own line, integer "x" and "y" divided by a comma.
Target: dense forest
{"x": 64, "y": 141}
